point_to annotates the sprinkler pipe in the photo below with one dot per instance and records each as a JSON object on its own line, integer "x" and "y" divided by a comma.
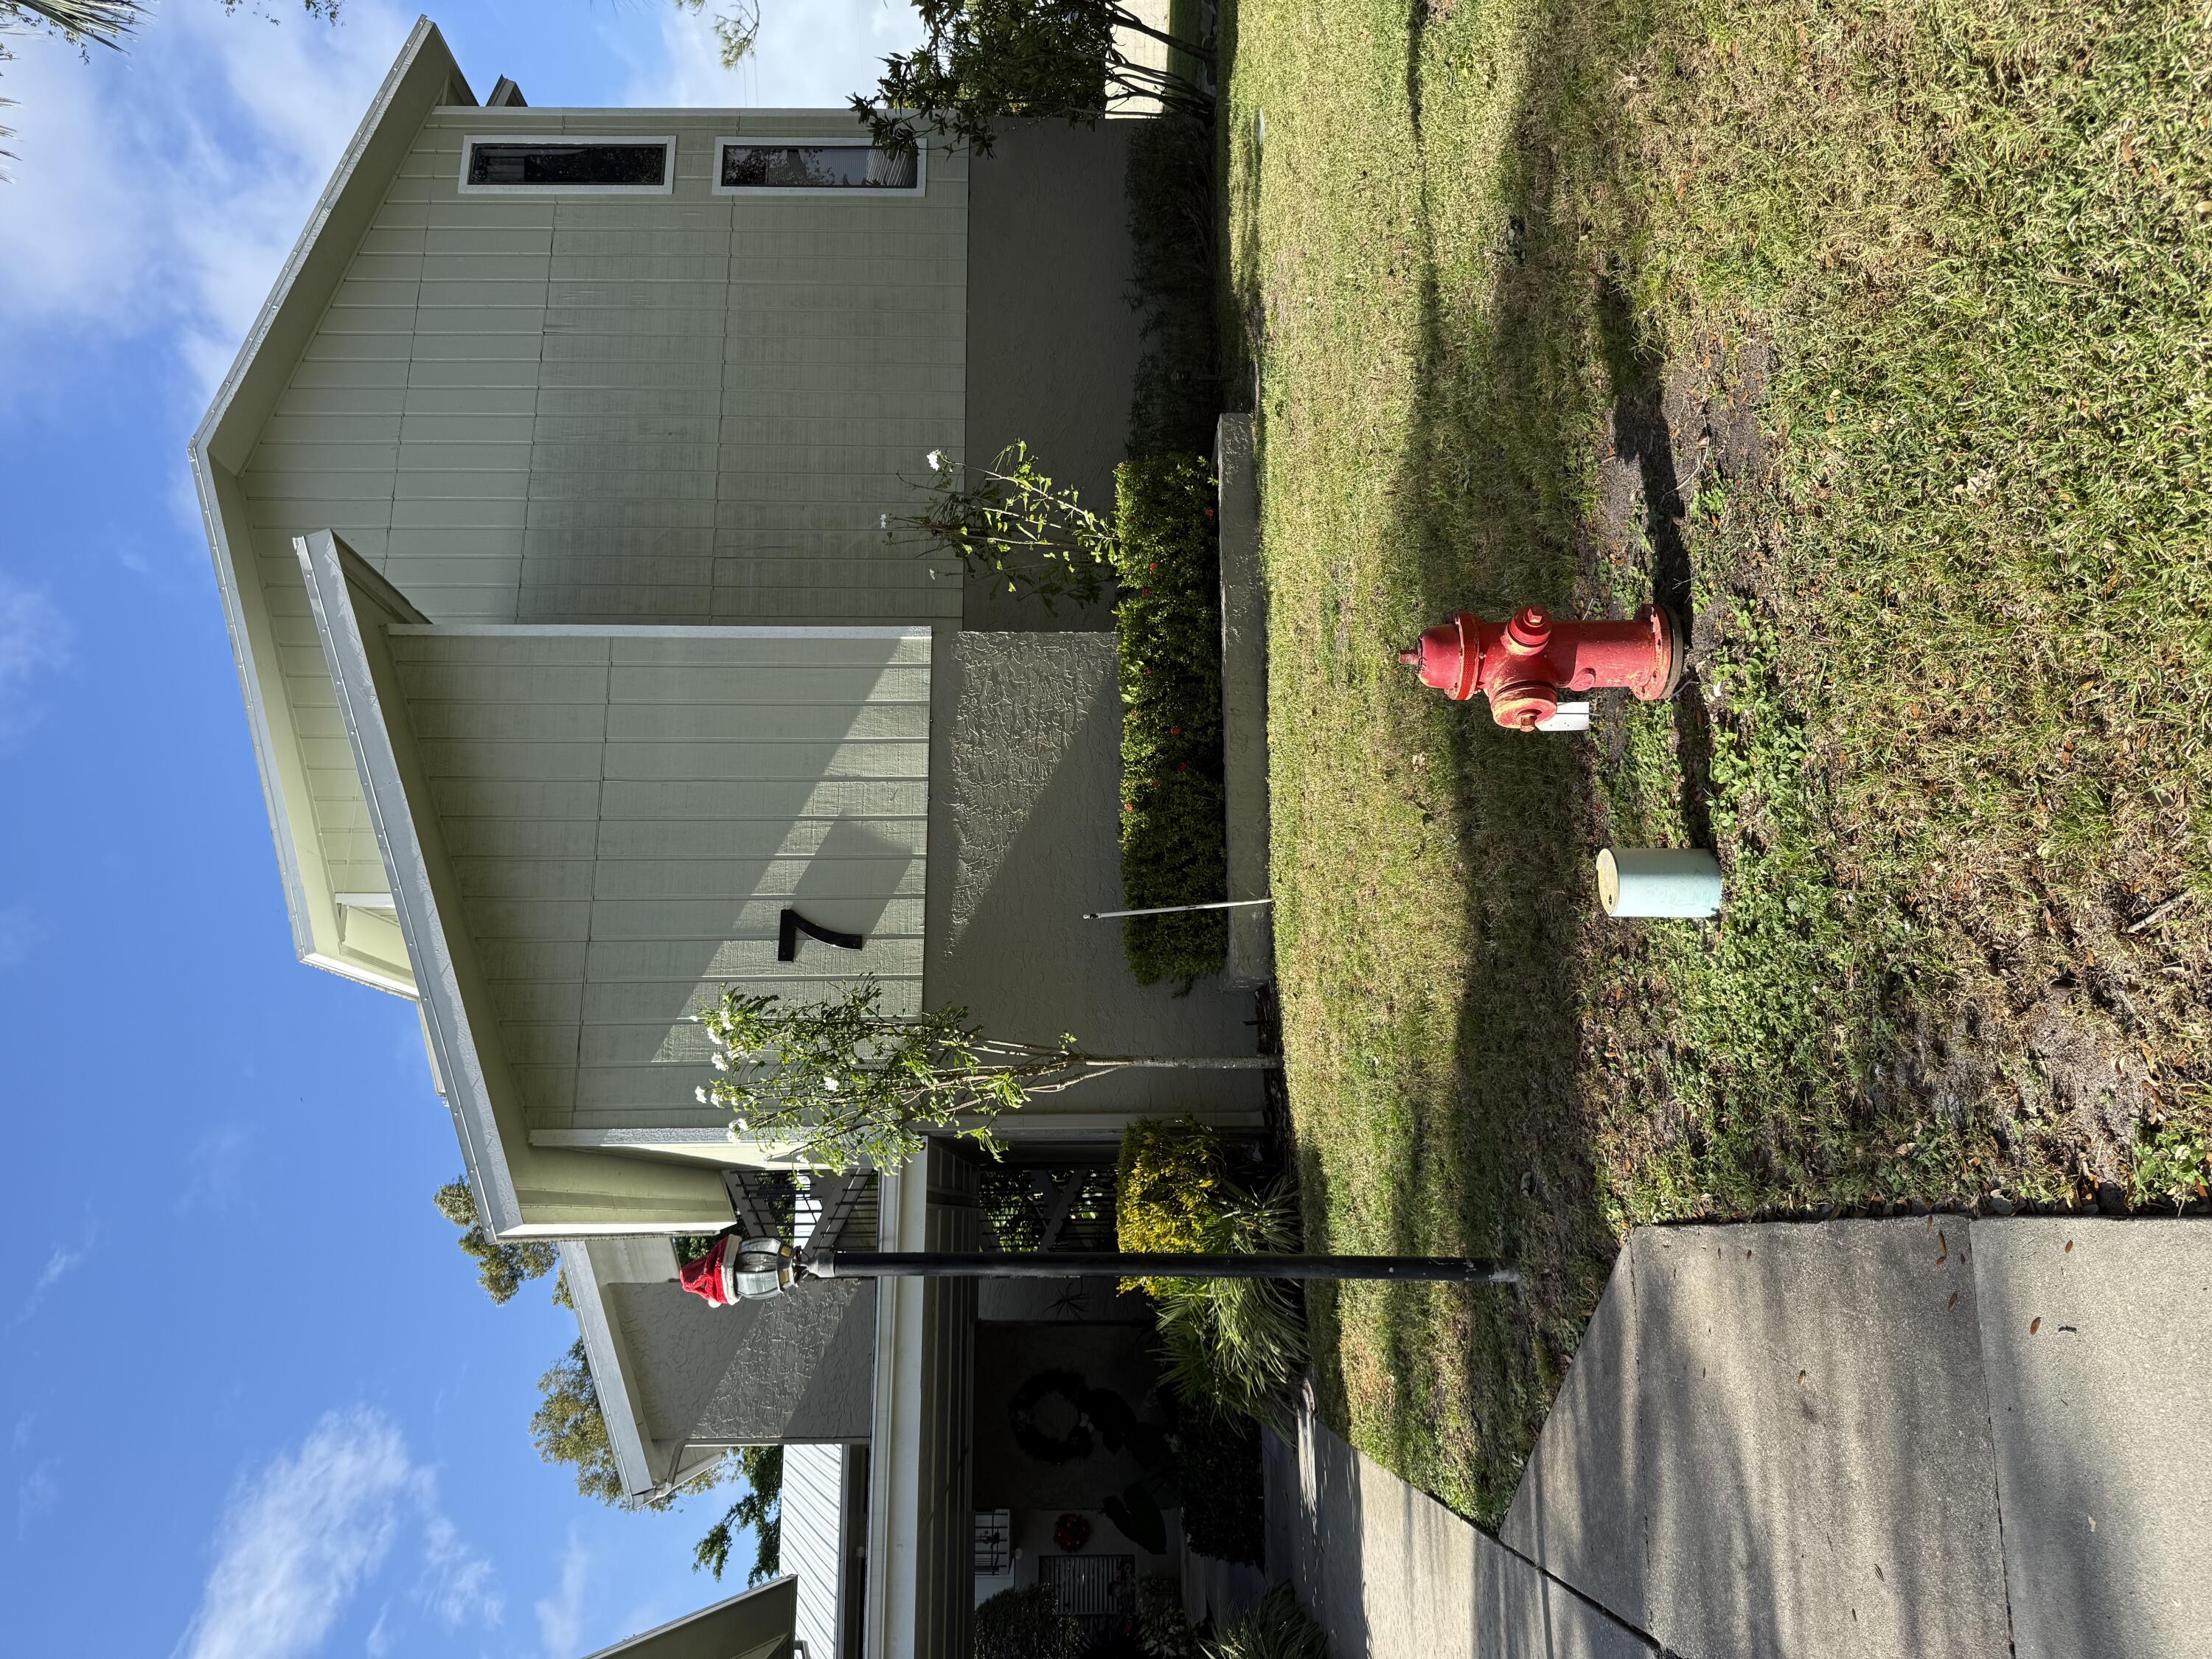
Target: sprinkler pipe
{"x": 1524, "y": 664}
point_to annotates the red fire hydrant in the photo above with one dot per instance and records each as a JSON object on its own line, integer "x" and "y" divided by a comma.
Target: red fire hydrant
{"x": 1522, "y": 666}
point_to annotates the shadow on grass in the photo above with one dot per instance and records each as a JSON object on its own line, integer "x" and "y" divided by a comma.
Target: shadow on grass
{"x": 1642, "y": 436}
{"x": 1488, "y": 516}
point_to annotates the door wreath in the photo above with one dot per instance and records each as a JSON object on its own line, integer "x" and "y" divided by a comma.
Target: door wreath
{"x": 1076, "y": 1442}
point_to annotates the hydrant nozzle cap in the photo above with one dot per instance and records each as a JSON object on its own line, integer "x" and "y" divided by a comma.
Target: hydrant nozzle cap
{"x": 1411, "y": 658}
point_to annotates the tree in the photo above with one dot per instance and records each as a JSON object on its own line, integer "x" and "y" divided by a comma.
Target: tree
{"x": 984, "y": 61}
{"x": 760, "y": 1508}
{"x": 1011, "y": 522}
{"x": 501, "y": 1269}
{"x": 736, "y": 30}
{"x": 568, "y": 1427}
{"x": 852, "y": 1085}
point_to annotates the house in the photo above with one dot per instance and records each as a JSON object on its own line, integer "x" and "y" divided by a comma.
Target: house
{"x": 754, "y": 1624}
{"x": 546, "y": 498}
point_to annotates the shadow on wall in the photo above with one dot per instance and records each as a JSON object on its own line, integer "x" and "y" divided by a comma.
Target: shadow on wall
{"x": 1035, "y": 795}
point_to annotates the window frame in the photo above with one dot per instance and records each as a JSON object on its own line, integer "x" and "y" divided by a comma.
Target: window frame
{"x": 854, "y": 140}
{"x": 631, "y": 140}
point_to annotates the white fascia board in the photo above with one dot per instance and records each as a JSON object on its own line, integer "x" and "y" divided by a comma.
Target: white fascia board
{"x": 227, "y": 431}
{"x": 610, "y": 1374}
{"x": 894, "y": 1558}
{"x": 249, "y": 686}
{"x": 332, "y": 575}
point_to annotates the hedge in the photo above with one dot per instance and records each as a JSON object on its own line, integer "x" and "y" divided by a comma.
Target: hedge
{"x": 1174, "y": 838}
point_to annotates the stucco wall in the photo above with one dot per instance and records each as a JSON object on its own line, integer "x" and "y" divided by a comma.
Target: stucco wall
{"x": 1025, "y": 796}
{"x": 1052, "y": 339}
{"x": 797, "y": 1368}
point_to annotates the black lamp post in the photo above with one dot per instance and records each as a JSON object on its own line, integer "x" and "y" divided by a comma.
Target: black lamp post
{"x": 767, "y": 1266}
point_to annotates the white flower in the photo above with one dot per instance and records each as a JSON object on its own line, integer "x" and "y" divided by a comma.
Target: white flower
{"x": 743, "y": 1124}
{"x": 831, "y": 1084}
{"x": 884, "y": 521}
{"x": 720, "y": 1064}
{"x": 733, "y": 1132}
{"x": 702, "y": 1094}
{"x": 936, "y": 459}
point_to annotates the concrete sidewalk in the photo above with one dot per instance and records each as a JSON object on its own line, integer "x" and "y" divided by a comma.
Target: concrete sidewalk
{"x": 1936, "y": 1436}
{"x": 1391, "y": 1573}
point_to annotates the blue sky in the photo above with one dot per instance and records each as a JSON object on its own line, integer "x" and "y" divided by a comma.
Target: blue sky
{"x": 256, "y": 1405}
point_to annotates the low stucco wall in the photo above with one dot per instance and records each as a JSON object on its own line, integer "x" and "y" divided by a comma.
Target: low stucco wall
{"x": 1026, "y": 773}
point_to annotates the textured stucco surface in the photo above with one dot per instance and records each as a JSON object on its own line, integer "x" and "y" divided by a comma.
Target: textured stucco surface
{"x": 1052, "y": 339}
{"x": 1022, "y": 842}
{"x": 797, "y": 1368}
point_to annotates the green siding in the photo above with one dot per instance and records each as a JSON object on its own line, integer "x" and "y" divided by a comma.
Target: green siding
{"x": 684, "y": 408}
{"x": 626, "y": 817}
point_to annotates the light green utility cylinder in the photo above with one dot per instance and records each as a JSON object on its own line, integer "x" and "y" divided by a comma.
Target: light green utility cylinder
{"x": 1658, "y": 881}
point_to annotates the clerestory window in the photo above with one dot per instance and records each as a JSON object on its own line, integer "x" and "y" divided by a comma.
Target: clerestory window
{"x": 814, "y": 166}
{"x": 570, "y": 164}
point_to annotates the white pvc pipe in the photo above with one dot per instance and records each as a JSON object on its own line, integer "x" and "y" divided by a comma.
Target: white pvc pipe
{"x": 1658, "y": 881}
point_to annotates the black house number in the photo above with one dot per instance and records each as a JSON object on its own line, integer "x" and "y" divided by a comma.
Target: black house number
{"x": 793, "y": 925}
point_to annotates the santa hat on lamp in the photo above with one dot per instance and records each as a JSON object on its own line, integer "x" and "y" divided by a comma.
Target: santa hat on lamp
{"x": 712, "y": 1275}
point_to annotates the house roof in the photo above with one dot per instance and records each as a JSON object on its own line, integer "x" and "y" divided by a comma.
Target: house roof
{"x": 754, "y": 1624}
{"x": 423, "y": 76}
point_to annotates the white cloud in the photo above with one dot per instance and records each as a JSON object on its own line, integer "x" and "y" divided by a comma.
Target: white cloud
{"x": 457, "y": 1583}
{"x": 62, "y": 1260}
{"x": 212, "y": 1168}
{"x": 34, "y": 640}
{"x": 814, "y": 55}
{"x": 157, "y": 190}
{"x": 560, "y": 1616}
{"x": 35, "y": 1493}
{"x": 19, "y": 933}
{"x": 300, "y": 1539}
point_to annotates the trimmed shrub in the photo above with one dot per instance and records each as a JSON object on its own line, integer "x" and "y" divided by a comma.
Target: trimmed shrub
{"x": 1230, "y": 1346}
{"x": 1167, "y": 1187}
{"x": 1175, "y": 845}
{"x": 1224, "y": 1506}
{"x": 1026, "y": 1623}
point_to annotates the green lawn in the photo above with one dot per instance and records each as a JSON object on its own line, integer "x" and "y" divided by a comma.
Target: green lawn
{"x": 1876, "y": 338}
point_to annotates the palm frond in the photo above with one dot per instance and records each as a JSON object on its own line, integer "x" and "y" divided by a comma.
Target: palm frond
{"x": 102, "y": 20}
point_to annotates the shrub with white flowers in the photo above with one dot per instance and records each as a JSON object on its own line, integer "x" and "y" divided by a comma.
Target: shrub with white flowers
{"x": 1009, "y": 523}
{"x": 848, "y": 1084}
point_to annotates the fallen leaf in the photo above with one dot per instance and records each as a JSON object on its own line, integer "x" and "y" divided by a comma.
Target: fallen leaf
{"x": 1801, "y": 1379}
{"x": 2070, "y": 1247}
{"x": 1943, "y": 1250}
{"x": 1953, "y": 1303}
{"x": 2034, "y": 1326}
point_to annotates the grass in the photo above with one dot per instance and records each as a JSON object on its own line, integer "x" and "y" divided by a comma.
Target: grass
{"x": 1872, "y": 337}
